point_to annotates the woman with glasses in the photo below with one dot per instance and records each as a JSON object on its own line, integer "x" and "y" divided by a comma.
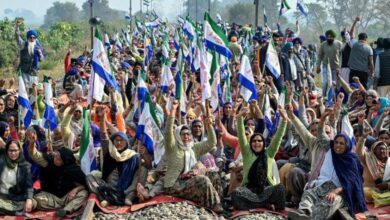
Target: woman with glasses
{"x": 261, "y": 183}
{"x": 16, "y": 192}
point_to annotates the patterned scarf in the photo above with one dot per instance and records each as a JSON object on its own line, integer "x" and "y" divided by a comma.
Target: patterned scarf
{"x": 375, "y": 166}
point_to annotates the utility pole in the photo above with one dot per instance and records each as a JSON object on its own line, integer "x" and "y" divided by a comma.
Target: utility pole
{"x": 130, "y": 13}
{"x": 196, "y": 10}
{"x": 91, "y": 16}
{"x": 140, "y": 6}
{"x": 209, "y": 6}
{"x": 188, "y": 7}
{"x": 256, "y": 13}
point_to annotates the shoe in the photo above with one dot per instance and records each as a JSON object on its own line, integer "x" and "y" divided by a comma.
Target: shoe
{"x": 104, "y": 203}
{"x": 61, "y": 213}
{"x": 218, "y": 208}
{"x": 298, "y": 215}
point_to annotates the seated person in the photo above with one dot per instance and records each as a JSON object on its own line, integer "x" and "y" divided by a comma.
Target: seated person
{"x": 16, "y": 192}
{"x": 119, "y": 167}
{"x": 62, "y": 181}
{"x": 261, "y": 183}
{"x": 374, "y": 163}
{"x": 339, "y": 184}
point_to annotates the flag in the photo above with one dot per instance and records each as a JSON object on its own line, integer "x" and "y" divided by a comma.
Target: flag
{"x": 330, "y": 96}
{"x": 49, "y": 116}
{"x": 107, "y": 41}
{"x": 101, "y": 70}
{"x": 87, "y": 150}
{"x": 215, "y": 38}
{"x": 346, "y": 128}
{"x": 118, "y": 42}
{"x": 269, "y": 127}
{"x": 179, "y": 93}
{"x": 265, "y": 16}
{"x": 215, "y": 81}
{"x": 284, "y": 7}
{"x": 272, "y": 59}
{"x": 248, "y": 86}
{"x": 152, "y": 24}
{"x": 26, "y": 110}
{"x": 176, "y": 41}
{"x": 302, "y": 8}
{"x": 195, "y": 64}
{"x": 189, "y": 29}
{"x": 142, "y": 89}
{"x": 167, "y": 78}
{"x": 282, "y": 97}
{"x": 205, "y": 64}
{"x": 149, "y": 132}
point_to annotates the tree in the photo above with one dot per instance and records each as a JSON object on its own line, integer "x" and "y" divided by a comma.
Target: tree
{"x": 345, "y": 11}
{"x": 61, "y": 12}
{"x": 316, "y": 19}
{"x": 102, "y": 10}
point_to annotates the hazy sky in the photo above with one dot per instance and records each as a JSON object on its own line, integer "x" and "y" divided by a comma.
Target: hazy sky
{"x": 39, "y": 7}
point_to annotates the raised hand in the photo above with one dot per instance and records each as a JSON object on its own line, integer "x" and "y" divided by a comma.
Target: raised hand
{"x": 367, "y": 129}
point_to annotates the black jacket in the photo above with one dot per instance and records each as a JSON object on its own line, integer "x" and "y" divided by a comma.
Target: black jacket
{"x": 23, "y": 189}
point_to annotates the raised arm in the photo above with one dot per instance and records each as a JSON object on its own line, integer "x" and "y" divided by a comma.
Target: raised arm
{"x": 35, "y": 155}
{"x": 243, "y": 142}
{"x": 19, "y": 39}
{"x": 352, "y": 31}
{"x": 205, "y": 146}
{"x": 277, "y": 139}
{"x": 168, "y": 133}
{"x": 367, "y": 130}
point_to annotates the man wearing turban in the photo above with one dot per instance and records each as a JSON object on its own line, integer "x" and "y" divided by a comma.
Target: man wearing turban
{"x": 31, "y": 54}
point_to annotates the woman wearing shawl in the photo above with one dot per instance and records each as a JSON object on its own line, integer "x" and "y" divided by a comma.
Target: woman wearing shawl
{"x": 62, "y": 181}
{"x": 119, "y": 165}
{"x": 16, "y": 190}
{"x": 34, "y": 132}
{"x": 4, "y": 133}
{"x": 182, "y": 156}
{"x": 374, "y": 162}
{"x": 261, "y": 184}
{"x": 339, "y": 184}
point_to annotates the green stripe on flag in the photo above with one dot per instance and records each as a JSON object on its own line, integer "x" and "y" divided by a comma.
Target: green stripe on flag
{"x": 285, "y": 2}
{"x": 84, "y": 134}
{"x": 216, "y": 28}
{"x": 213, "y": 67}
{"x": 152, "y": 109}
{"x": 98, "y": 35}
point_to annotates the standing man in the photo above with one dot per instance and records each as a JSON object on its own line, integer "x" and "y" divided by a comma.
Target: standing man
{"x": 348, "y": 39}
{"x": 361, "y": 60}
{"x": 382, "y": 71}
{"x": 30, "y": 56}
{"x": 329, "y": 51}
{"x": 302, "y": 64}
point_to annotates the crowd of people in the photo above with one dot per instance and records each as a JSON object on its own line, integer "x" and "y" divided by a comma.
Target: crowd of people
{"x": 296, "y": 145}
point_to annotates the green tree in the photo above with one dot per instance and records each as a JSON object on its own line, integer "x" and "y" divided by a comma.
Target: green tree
{"x": 63, "y": 35}
{"x": 61, "y": 12}
{"x": 102, "y": 9}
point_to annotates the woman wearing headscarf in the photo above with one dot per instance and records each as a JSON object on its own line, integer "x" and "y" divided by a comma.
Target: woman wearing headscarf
{"x": 34, "y": 132}
{"x": 374, "y": 161}
{"x": 16, "y": 190}
{"x": 182, "y": 153}
{"x": 340, "y": 184}
{"x": 119, "y": 165}
{"x": 261, "y": 183}
{"x": 3, "y": 114}
{"x": 62, "y": 181}
{"x": 4, "y": 133}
